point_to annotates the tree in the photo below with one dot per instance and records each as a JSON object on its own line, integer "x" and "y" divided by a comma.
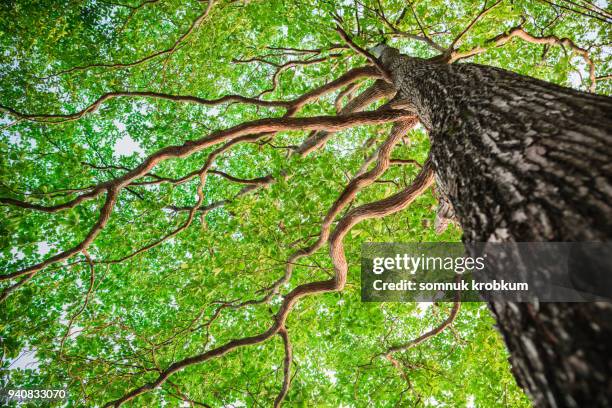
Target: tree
{"x": 171, "y": 272}
{"x": 513, "y": 155}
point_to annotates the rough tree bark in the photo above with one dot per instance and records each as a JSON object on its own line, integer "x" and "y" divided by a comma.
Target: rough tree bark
{"x": 525, "y": 160}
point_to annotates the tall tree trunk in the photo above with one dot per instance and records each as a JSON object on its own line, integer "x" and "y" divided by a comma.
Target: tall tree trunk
{"x": 525, "y": 160}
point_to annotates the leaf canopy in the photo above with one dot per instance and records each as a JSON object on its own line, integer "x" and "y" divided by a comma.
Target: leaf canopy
{"x": 102, "y": 330}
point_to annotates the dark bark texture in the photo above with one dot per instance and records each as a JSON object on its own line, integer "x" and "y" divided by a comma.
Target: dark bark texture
{"x": 524, "y": 160}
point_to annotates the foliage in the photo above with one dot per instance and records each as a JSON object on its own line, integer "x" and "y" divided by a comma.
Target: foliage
{"x": 151, "y": 310}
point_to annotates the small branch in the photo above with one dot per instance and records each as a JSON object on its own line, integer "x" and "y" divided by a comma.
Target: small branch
{"x": 60, "y": 118}
{"x": 519, "y": 32}
{"x": 427, "y": 335}
{"x": 282, "y": 68}
{"x": 348, "y": 91}
{"x": 292, "y": 106}
{"x": 426, "y": 38}
{"x": 92, "y": 280}
{"x": 9, "y": 289}
{"x": 485, "y": 10}
{"x": 386, "y": 76}
{"x": 89, "y": 195}
{"x": 305, "y": 50}
{"x": 133, "y": 11}
{"x": 183, "y": 397}
{"x": 259, "y": 181}
{"x": 399, "y": 368}
{"x": 598, "y": 16}
{"x": 220, "y": 203}
{"x": 397, "y": 32}
{"x": 202, "y": 173}
{"x": 194, "y": 25}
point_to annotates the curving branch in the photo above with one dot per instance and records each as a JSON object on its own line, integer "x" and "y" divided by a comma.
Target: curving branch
{"x": 181, "y": 180}
{"x": 292, "y": 106}
{"x": 388, "y": 354}
{"x": 376, "y": 209}
{"x": 402, "y": 162}
{"x": 184, "y": 397}
{"x": 90, "y": 194}
{"x": 428, "y": 40}
{"x": 133, "y": 11}
{"x": 105, "y": 212}
{"x": 11, "y": 288}
{"x": 192, "y": 212}
{"x": 348, "y": 194}
{"x": 280, "y": 68}
{"x": 284, "y": 67}
{"x": 346, "y": 92}
{"x": 60, "y": 118}
{"x": 597, "y": 12}
{"x": 519, "y": 32}
{"x": 590, "y": 6}
{"x": 299, "y": 51}
{"x": 244, "y": 191}
{"x": 193, "y": 26}
{"x": 92, "y": 280}
{"x": 253, "y": 185}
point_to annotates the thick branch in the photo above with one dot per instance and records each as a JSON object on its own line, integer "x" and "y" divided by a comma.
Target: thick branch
{"x": 387, "y": 206}
{"x": 379, "y": 90}
{"x": 332, "y": 123}
{"x": 380, "y": 208}
{"x": 105, "y": 212}
{"x": 348, "y": 194}
{"x": 286, "y": 367}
